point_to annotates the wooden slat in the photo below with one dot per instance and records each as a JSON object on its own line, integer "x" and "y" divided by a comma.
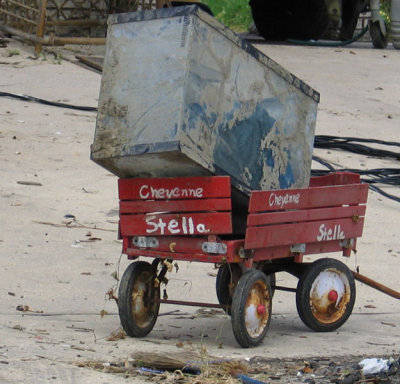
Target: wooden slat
{"x": 174, "y": 188}
{"x": 308, "y": 198}
{"x": 201, "y": 205}
{"x": 337, "y": 178}
{"x": 305, "y": 215}
{"x": 176, "y": 224}
{"x": 310, "y": 232}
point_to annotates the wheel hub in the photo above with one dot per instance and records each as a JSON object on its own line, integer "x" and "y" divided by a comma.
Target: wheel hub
{"x": 333, "y": 296}
{"x": 329, "y": 295}
{"x": 256, "y": 314}
{"x": 261, "y": 309}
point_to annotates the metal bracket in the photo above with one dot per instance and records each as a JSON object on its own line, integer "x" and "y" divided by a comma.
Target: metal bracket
{"x": 347, "y": 243}
{"x": 145, "y": 242}
{"x": 245, "y": 253}
{"x": 211, "y": 247}
{"x": 298, "y": 248}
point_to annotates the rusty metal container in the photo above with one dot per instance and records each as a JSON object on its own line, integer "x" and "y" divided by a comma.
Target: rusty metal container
{"x": 182, "y": 95}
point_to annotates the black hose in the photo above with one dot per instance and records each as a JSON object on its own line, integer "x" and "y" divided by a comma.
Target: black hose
{"x": 330, "y": 43}
{"x": 324, "y": 163}
{"x": 350, "y": 144}
{"x": 46, "y": 102}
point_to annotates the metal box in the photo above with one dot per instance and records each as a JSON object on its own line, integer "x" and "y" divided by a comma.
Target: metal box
{"x": 182, "y": 95}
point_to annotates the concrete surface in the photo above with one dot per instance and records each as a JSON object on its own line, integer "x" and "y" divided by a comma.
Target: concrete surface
{"x": 63, "y": 278}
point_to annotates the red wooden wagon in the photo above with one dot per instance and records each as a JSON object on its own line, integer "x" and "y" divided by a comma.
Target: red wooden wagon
{"x": 193, "y": 219}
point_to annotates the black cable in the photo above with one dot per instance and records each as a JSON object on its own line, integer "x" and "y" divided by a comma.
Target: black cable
{"x": 386, "y": 176}
{"x": 383, "y": 193}
{"x": 359, "y": 139}
{"x": 350, "y": 144}
{"x": 324, "y": 163}
{"x": 46, "y": 102}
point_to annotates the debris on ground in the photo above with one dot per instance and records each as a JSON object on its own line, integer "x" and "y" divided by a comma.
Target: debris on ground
{"x": 26, "y": 308}
{"x": 374, "y": 366}
{"x": 192, "y": 368}
{"x": 116, "y": 335}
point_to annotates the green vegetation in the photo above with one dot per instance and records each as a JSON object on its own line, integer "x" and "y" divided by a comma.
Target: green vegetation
{"x": 385, "y": 11}
{"x": 13, "y": 52}
{"x": 235, "y": 14}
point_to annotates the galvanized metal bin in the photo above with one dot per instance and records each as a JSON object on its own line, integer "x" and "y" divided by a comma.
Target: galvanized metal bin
{"x": 182, "y": 95}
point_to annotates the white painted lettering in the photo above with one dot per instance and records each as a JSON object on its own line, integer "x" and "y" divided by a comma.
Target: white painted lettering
{"x": 333, "y": 233}
{"x": 148, "y": 192}
{"x": 161, "y": 226}
{"x": 184, "y": 225}
{"x": 173, "y": 227}
{"x": 321, "y": 232}
{"x": 276, "y": 200}
{"x": 191, "y": 226}
{"x": 143, "y": 192}
{"x": 201, "y": 228}
{"x": 149, "y": 221}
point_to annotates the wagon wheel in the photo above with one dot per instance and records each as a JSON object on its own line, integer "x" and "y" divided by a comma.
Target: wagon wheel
{"x": 379, "y": 41}
{"x": 251, "y": 309}
{"x": 227, "y": 279}
{"x": 325, "y": 295}
{"x": 138, "y": 299}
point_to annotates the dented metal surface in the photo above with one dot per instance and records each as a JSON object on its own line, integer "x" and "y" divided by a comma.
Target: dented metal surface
{"x": 182, "y": 95}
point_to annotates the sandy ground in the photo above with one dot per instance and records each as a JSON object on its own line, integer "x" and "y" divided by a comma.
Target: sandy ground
{"x": 63, "y": 273}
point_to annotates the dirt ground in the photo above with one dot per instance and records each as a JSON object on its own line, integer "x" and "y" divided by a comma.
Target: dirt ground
{"x": 59, "y": 214}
